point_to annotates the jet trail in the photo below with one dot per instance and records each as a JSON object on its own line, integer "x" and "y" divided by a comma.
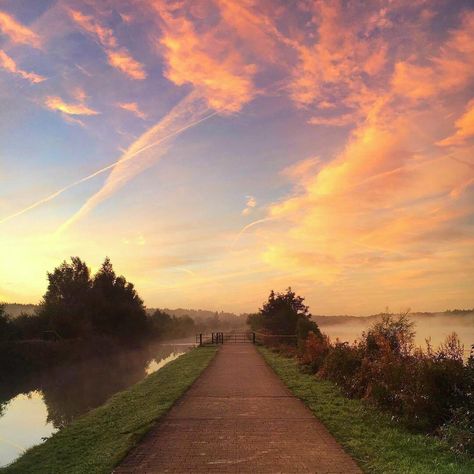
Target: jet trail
{"x": 131, "y": 153}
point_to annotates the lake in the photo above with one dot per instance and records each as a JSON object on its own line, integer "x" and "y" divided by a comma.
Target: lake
{"x": 35, "y": 407}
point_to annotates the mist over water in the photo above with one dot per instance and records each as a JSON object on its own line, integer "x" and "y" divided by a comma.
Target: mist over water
{"x": 434, "y": 327}
{"x": 33, "y": 408}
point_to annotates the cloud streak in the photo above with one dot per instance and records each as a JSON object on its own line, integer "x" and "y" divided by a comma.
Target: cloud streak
{"x": 133, "y": 108}
{"x": 118, "y": 57}
{"x": 7, "y": 63}
{"x": 142, "y": 154}
{"x": 57, "y": 104}
{"x": 217, "y": 72}
{"x": 16, "y": 32}
{"x": 145, "y": 143}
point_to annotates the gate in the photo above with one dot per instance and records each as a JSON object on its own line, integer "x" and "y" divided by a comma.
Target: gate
{"x": 226, "y": 338}
{"x": 239, "y": 337}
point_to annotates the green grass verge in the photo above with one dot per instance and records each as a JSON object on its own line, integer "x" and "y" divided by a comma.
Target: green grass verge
{"x": 379, "y": 444}
{"x": 99, "y": 440}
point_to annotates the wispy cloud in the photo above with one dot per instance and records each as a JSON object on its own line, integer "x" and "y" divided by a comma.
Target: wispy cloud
{"x": 218, "y": 73}
{"x": 16, "y": 32}
{"x": 117, "y": 56}
{"x": 150, "y": 139}
{"x": 249, "y": 205}
{"x": 123, "y": 61}
{"x": 464, "y": 128}
{"x": 7, "y": 63}
{"x": 68, "y": 108}
{"x": 132, "y": 107}
{"x": 143, "y": 154}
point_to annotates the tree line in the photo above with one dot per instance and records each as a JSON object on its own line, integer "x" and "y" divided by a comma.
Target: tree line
{"x": 79, "y": 305}
{"x": 429, "y": 390}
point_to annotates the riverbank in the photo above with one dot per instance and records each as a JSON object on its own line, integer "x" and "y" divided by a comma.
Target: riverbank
{"x": 97, "y": 441}
{"x": 370, "y": 436}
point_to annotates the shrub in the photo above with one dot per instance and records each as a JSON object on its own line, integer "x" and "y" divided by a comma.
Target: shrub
{"x": 431, "y": 391}
{"x": 314, "y": 350}
{"x": 340, "y": 365}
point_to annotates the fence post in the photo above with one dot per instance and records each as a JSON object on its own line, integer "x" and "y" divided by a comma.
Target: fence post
{"x": 212, "y": 338}
{"x": 200, "y": 339}
{"x": 253, "y": 337}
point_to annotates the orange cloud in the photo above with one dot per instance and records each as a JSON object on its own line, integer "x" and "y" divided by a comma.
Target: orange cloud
{"x": 414, "y": 81}
{"x": 253, "y": 26}
{"x": 118, "y": 57}
{"x": 211, "y": 66}
{"x": 449, "y": 70}
{"x": 332, "y": 65}
{"x": 88, "y": 23}
{"x": 17, "y": 32}
{"x": 9, "y": 65}
{"x": 133, "y": 107}
{"x": 379, "y": 204}
{"x": 121, "y": 60}
{"x": 56, "y": 103}
{"x": 464, "y": 128}
{"x": 339, "y": 121}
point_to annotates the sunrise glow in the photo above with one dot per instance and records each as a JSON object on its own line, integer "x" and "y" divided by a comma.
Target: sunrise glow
{"x": 216, "y": 149}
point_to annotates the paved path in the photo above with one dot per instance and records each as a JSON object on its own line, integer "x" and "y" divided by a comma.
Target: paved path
{"x": 238, "y": 417}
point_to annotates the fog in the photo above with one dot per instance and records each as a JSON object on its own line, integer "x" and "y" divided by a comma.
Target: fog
{"x": 427, "y": 326}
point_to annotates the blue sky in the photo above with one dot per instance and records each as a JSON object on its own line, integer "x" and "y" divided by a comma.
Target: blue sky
{"x": 215, "y": 150}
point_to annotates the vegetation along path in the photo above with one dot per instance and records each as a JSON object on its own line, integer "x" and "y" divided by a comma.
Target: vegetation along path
{"x": 238, "y": 417}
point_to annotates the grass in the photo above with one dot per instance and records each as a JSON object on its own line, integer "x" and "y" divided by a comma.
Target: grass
{"x": 99, "y": 440}
{"x": 377, "y": 443}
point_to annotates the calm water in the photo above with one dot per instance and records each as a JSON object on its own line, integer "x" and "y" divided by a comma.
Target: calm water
{"x": 434, "y": 328}
{"x": 35, "y": 408}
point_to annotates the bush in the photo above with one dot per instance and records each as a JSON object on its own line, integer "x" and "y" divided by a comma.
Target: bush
{"x": 430, "y": 391}
{"x": 314, "y": 351}
{"x": 340, "y": 365}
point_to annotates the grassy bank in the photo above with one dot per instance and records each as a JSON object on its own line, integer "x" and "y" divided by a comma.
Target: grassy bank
{"x": 99, "y": 440}
{"x": 370, "y": 436}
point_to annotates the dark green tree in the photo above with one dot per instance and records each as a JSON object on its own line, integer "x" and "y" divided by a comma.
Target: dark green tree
{"x": 286, "y": 313}
{"x": 6, "y": 329}
{"x": 117, "y": 309}
{"x": 65, "y": 308}
{"x": 255, "y": 321}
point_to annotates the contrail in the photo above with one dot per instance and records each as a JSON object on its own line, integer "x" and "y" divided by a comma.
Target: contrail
{"x": 248, "y": 226}
{"x": 190, "y": 111}
{"x": 106, "y": 168}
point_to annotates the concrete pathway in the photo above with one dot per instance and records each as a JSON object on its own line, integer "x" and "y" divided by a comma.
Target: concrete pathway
{"x": 238, "y": 417}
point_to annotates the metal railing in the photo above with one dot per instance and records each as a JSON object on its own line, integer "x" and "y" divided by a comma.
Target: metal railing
{"x": 221, "y": 338}
{"x": 245, "y": 338}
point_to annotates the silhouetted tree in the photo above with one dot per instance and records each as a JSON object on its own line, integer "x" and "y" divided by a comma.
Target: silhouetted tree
{"x": 255, "y": 321}
{"x": 286, "y": 313}
{"x": 117, "y": 308}
{"x": 166, "y": 326}
{"x": 66, "y": 304}
{"x": 5, "y": 324}
{"x": 76, "y": 305}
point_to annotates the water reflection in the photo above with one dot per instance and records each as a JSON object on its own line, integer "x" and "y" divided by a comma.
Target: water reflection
{"x": 33, "y": 408}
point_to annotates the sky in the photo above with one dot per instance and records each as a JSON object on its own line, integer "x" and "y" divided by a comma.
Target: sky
{"x": 218, "y": 149}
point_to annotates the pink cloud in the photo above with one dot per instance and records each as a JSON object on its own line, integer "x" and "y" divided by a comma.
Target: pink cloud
{"x": 118, "y": 57}
{"x": 16, "y": 32}
{"x": 7, "y": 63}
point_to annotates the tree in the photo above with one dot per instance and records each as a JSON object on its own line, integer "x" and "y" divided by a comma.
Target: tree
{"x": 5, "y": 324}
{"x": 117, "y": 310}
{"x": 162, "y": 323}
{"x": 76, "y": 305}
{"x": 286, "y": 313}
{"x": 255, "y": 321}
{"x": 66, "y": 303}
